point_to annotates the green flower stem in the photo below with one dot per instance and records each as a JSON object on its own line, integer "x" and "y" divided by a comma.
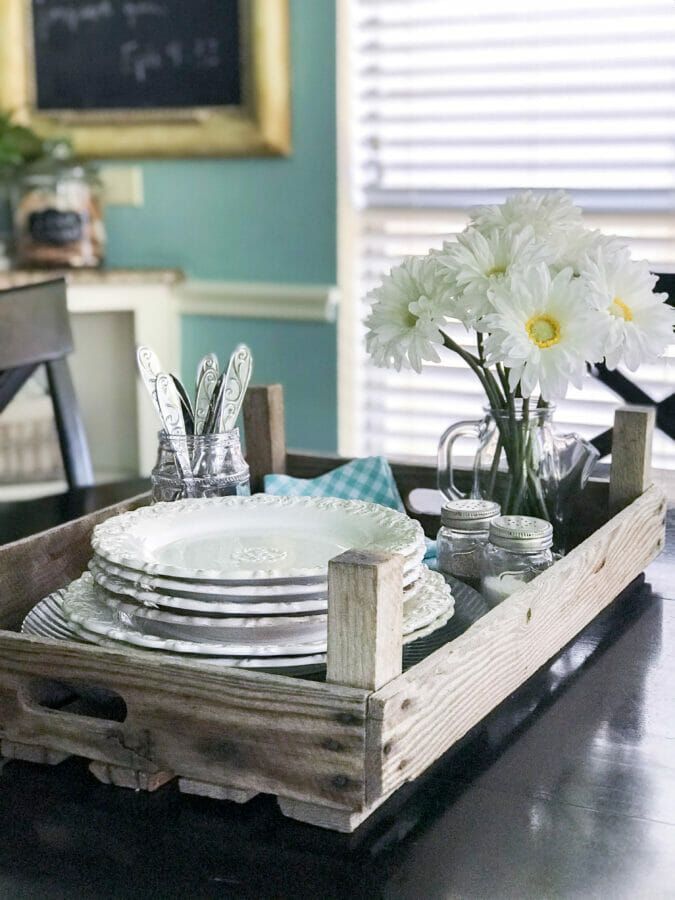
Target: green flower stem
{"x": 494, "y": 468}
{"x": 485, "y": 377}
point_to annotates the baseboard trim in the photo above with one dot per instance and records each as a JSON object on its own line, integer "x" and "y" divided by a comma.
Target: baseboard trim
{"x": 257, "y": 300}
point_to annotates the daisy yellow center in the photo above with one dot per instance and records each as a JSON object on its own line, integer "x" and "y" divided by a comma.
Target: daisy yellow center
{"x": 620, "y": 310}
{"x": 496, "y": 270}
{"x": 543, "y": 330}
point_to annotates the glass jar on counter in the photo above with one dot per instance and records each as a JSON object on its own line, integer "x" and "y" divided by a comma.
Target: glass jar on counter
{"x": 518, "y": 550}
{"x": 58, "y": 212}
{"x": 462, "y": 538}
{"x": 214, "y": 464}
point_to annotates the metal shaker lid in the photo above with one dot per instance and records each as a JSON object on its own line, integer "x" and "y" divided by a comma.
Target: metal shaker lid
{"x": 469, "y": 515}
{"x": 521, "y": 533}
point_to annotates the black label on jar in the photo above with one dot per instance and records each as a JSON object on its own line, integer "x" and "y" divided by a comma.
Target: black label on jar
{"x": 54, "y": 226}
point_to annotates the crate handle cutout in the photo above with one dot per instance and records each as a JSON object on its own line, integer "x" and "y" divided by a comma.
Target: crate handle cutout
{"x": 89, "y": 700}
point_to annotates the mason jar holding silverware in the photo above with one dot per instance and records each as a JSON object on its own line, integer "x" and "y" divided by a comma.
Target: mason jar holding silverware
{"x": 199, "y": 465}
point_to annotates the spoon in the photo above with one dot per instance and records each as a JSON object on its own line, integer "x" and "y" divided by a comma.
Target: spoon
{"x": 207, "y": 376}
{"x": 169, "y": 404}
{"x": 238, "y": 377}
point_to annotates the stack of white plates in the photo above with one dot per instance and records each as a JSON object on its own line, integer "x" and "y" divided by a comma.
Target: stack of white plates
{"x": 239, "y": 581}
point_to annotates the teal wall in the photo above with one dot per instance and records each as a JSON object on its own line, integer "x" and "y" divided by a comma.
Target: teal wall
{"x": 264, "y": 220}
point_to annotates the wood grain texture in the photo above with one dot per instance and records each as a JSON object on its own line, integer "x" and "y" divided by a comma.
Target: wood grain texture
{"x": 365, "y": 619}
{"x": 242, "y": 729}
{"x": 265, "y": 432}
{"x": 215, "y": 791}
{"x": 416, "y": 717}
{"x": 31, "y": 753}
{"x": 630, "y": 474}
{"x": 35, "y": 566}
{"x": 129, "y": 778}
{"x": 343, "y": 820}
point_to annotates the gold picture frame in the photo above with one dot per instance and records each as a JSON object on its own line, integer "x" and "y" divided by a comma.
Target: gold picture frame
{"x": 260, "y": 126}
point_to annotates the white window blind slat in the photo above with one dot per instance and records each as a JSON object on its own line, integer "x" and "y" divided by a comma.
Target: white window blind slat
{"x": 453, "y": 106}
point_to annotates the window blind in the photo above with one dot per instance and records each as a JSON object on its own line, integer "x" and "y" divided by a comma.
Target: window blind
{"x": 455, "y": 105}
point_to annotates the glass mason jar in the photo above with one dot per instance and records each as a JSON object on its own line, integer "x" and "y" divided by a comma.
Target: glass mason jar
{"x": 521, "y": 463}
{"x": 518, "y": 550}
{"x": 214, "y": 464}
{"x": 462, "y": 538}
{"x": 58, "y": 212}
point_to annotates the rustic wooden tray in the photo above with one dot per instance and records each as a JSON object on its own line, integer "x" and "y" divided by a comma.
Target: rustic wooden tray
{"x": 331, "y": 752}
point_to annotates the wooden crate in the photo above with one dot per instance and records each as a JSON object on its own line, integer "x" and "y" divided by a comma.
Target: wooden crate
{"x": 331, "y": 752}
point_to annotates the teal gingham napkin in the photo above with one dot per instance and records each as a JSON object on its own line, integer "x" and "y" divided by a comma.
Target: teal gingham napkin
{"x": 368, "y": 479}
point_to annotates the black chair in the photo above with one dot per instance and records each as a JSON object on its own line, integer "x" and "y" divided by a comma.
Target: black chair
{"x": 35, "y": 330}
{"x": 631, "y": 393}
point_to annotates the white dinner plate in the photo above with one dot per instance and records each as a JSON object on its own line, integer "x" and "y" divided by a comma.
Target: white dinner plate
{"x": 423, "y": 603}
{"x": 47, "y": 619}
{"x": 244, "y": 539}
{"x": 84, "y": 606}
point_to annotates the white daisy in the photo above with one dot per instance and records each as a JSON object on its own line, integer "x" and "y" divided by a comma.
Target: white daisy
{"x": 547, "y": 213}
{"x": 576, "y": 247}
{"x": 478, "y": 261}
{"x": 543, "y": 331}
{"x": 640, "y": 324}
{"x": 408, "y": 309}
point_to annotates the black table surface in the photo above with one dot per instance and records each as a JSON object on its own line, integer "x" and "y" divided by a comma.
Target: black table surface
{"x": 566, "y": 790}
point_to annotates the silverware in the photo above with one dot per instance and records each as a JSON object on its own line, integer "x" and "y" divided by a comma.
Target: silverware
{"x": 169, "y": 403}
{"x": 207, "y": 376}
{"x": 217, "y": 399}
{"x": 237, "y": 381}
{"x": 186, "y": 405}
{"x": 150, "y": 367}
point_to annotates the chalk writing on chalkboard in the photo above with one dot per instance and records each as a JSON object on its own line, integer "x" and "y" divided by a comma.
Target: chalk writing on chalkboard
{"x": 136, "y": 54}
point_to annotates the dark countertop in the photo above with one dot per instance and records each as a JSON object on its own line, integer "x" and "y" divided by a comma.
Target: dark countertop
{"x": 566, "y": 790}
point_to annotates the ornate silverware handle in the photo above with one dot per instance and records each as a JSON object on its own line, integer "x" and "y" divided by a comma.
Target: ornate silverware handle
{"x": 237, "y": 381}
{"x": 174, "y": 426}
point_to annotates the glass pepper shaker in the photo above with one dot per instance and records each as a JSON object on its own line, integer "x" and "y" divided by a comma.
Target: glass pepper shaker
{"x": 463, "y": 536}
{"x": 518, "y": 550}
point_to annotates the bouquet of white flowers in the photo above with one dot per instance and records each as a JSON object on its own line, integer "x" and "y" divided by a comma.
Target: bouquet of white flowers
{"x": 545, "y": 297}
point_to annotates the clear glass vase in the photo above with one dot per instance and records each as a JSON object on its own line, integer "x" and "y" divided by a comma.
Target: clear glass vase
{"x": 521, "y": 463}
{"x": 200, "y": 465}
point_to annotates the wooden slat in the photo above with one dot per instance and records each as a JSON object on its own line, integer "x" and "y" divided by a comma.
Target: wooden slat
{"x": 245, "y": 730}
{"x": 416, "y": 717}
{"x": 365, "y": 619}
{"x": 35, "y": 566}
{"x": 631, "y": 471}
{"x": 265, "y": 432}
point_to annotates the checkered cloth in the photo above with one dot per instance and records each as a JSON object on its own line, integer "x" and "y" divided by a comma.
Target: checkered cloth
{"x": 369, "y": 479}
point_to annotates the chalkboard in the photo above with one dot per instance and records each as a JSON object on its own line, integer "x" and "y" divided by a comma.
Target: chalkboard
{"x": 136, "y": 54}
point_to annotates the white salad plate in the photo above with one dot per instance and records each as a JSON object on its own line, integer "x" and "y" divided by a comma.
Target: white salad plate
{"x": 120, "y": 589}
{"x": 236, "y": 540}
{"x": 247, "y": 592}
{"x": 84, "y": 605}
{"x": 153, "y": 591}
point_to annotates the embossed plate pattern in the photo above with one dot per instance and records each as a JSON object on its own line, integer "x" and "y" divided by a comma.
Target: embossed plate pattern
{"x": 251, "y": 539}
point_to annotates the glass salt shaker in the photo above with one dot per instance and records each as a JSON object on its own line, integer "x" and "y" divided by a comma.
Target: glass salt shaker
{"x": 216, "y": 462}
{"x": 518, "y": 550}
{"x": 463, "y": 536}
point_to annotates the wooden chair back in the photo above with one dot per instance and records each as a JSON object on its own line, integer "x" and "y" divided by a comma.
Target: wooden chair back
{"x": 34, "y": 331}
